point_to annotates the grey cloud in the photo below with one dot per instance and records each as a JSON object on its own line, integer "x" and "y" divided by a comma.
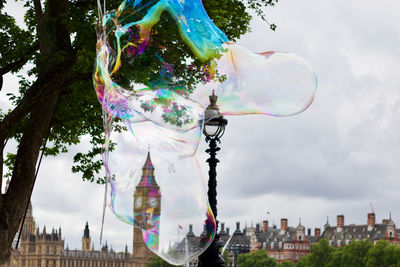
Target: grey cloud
{"x": 336, "y": 157}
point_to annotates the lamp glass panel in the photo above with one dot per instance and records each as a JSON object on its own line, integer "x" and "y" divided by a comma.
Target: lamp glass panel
{"x": 211, "y": 130}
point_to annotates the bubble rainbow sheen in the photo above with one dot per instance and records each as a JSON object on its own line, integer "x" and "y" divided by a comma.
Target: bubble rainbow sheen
{"x": 277, "y": 84}
{"x": 165, "y": 186}
{"x": 156, "y": 182}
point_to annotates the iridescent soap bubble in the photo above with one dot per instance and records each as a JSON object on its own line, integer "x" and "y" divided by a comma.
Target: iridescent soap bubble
{"x": 158, "y": 188}
{"x": 270, "y": 83}
{"x": 156, "y": 183}
{"x": 168, "y": 194}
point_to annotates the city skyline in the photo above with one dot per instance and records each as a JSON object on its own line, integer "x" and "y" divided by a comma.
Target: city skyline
{"x": 335, "y": 158}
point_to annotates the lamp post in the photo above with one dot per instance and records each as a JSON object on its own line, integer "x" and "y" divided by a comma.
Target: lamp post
{"x": 214, "y": 128}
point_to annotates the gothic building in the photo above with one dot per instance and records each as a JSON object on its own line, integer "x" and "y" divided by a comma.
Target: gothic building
{"x": 147, "y": 207}
{"x": 46, "y": 248}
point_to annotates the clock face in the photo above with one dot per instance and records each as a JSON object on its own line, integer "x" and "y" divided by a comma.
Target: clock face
{"x": 153, "y": 202}
{"x": 138, "y": 202}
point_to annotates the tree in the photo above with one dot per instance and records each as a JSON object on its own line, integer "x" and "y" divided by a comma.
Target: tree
{"x": 383, "y": 254}
{"x": 56, "y": 103}
{"x": 286, "y": 264}
{"x": 320, "y": 254}
{"x": 353, "y": 255}
{"x": 226, "y": 258}
{"x": 356, "y": 254}
{"x": 256, "y": 259}
{"x": 156, "y": 261}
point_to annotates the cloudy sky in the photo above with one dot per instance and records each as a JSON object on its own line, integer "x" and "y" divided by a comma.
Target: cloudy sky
{"x": 337, "y": 157}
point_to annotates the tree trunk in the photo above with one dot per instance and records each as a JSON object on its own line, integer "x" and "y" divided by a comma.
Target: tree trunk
{"x": 54, "y": 41}
{"x": 17, "y": 197}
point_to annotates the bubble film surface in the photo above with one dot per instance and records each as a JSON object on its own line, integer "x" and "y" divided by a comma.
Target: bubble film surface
{"x": 160, "y": 190}
{"x": 156, "y": 119}
{"x": 270, "y": 83}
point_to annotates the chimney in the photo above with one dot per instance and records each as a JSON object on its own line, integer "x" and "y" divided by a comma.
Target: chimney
{"x": 340, "y": 221}
{"x": 265, "y": 226}
{"x": 317, "y": 232}
{"x": 385, "y": 221}
{"x": 227, "y": 230}
{"x": 284, "y": 226}
{"x": 257, "y": 227}
{"x": 237, "y": 231}
{"x": 222, "y": 231}
{"x": 190, "y": 230}
{"x": 371, "y": 219}
{"x": 309, "y": 231}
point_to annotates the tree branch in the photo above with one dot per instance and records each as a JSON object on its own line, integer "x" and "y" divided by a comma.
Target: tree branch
{"x": 17, "y": 64}
{"x": 38, "y": 9}
{"x": 7, "y": 125}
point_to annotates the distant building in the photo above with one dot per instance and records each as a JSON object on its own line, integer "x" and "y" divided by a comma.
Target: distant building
{"x": 286, "y": 243}
{"x": 341, "y": 234}
{"x": 238, "y": 243}
{"x": 46, "y": 249}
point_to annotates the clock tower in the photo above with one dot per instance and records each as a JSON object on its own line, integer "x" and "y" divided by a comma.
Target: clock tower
{"x": 146, "y": 212}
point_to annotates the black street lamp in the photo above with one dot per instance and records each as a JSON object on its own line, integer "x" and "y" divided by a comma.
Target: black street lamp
{"x": 214, "y": 128}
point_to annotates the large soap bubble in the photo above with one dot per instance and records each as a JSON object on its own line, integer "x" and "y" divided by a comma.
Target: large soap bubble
{"x": 156, "y": 119}
{"x": 158, "y": 187}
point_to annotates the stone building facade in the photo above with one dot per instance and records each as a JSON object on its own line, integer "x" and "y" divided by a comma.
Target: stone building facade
{"x": 342, "y": 235}
{"x": 286, "y": 243}
{"x": 46, "y": 248}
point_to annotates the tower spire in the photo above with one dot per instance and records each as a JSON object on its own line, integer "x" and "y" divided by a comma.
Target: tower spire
{"x": 148, "y": 179}
{"x": 86, "y": 232}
